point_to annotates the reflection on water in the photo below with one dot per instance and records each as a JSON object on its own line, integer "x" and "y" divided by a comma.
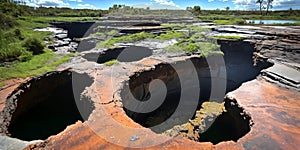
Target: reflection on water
{"x": 271, "y": 21}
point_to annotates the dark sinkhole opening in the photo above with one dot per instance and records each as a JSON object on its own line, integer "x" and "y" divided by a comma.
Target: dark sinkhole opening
{"x": 232, "y": 124}
{"x": 49, "y": 104}
{"x": 122, "y": 54}
{"x": 229, "y": 125}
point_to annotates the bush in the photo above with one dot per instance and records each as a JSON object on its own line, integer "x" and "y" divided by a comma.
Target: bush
{"x": 10, "y": 52}
{"x": 35, "y": 45}
{"x": 7, "y": 21}
{"x": 18, "y": 34}
{"x": 25, "y": 56}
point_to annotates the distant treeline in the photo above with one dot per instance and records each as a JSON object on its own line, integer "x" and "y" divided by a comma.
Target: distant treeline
{"x": 249, "y": 12}
{"x": 197, "y": 11}
{"x": 16, "y": 9}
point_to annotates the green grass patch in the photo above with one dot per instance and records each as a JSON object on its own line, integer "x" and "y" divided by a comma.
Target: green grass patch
{"x": 195, "y": 28}
{"x": 208, "y": 48}
{"x": 112, "y": 33}
{"x": 38, "y": 65}
{"x": 11, "y": 51}
{"x": 236, "y": 21}
{"x": 228, "y": 37}
{"x": 216, "y": 17}
{"x": 271, "y": 17}
{"x": 174, "y": 26}
{"x": 17, "y": 41}
{"x": 1, "y": 84}
{"x": 124, "y": 39}
{"x": 189, "y": 46}
{"x": 172, "y": 35}
{"x": 105, "y": 34}
{"x": 111, "y": 62}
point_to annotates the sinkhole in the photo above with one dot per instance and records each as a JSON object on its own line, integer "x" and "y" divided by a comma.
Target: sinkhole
{"x": 230, "y": 125}
{"x": 122, "y": 54}
{"x": 46, "y": 105}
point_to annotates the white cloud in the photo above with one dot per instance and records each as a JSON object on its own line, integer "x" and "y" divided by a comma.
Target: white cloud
{"x": 219, "y": 0}
{"x": 277, "y": 4}
{"x": 79, "y": 1}
{"x": 86, "y": 6}
{"x": 155, "y": 5}
{"x": 166, "y": 2}
{"x": 245, "y": 4}
{"x": 47, "y": 3}
{"x": 285, "y": 4}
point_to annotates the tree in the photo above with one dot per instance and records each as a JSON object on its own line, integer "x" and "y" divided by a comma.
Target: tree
{"x": 189, "y": 8}
{"x": 196, "y": 10}
{"x": 227, "y": 8}
{"x": 290, "y": 10}
{"x": 269, "y": 5}
{"x": 260, "y": 5}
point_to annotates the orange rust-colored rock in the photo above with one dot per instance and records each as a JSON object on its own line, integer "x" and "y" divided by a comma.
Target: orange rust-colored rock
{"x": 9, "y": 86}
{"x": 273, "y": 109}
{"x": 275, "y": 112}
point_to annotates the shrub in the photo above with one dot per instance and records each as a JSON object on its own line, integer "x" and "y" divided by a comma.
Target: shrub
{"x": 10, "y": 52}
{"x": 25, "y": 56}
{"x": 18, "y": 34}
{"x": 35, "y": 45}
{"x": 7, "y": 21}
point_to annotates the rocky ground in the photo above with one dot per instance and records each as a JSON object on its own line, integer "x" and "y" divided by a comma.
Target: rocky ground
{"x": 261, "y": 101}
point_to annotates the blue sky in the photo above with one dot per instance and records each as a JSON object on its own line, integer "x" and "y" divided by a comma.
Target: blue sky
{"x": 171, "y": 4}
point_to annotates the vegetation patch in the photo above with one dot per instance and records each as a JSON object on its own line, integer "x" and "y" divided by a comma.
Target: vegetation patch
{"x": 172, "y": 35}
{"x": 38, "y": 65}
{"x": 208, "y": 48}
{"x": 18, "y": 41}
{"x": 174, "y": 26}
{"x": 237, "y": 21}
{"x": 190, "y": 46}
{"x": 111, "y": 62}
{"x": 7, "y": 21}
{"x": 34, "y": 45}
{"x": 216, "y": 17}
{"x": 195, "y": 28}
{"x": 124, "y": 39}
{"x": 105, "y": 34}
